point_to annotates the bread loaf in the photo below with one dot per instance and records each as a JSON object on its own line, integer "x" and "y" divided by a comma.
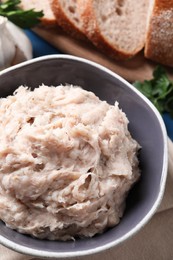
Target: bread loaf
{"x": 68, "y": 17}
{"x": 159, "y": 39}
{"x": 117, "y": 27}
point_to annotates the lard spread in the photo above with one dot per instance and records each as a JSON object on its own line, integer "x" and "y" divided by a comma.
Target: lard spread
{"x": 67, "y": 162}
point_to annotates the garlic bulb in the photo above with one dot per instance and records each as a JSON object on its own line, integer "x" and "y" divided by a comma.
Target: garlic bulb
{"x": 7, "y": 46}
{"x": 15, "y": 47}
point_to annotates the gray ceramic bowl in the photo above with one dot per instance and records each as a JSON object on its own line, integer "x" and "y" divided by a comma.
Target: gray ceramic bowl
{"x": 146, "y": 126}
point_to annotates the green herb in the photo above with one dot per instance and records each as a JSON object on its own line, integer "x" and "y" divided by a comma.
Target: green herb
{"x": 23, "y": 19}
{"x": 159, "y": 90}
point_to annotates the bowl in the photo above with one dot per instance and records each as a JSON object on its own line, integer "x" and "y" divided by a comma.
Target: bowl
{"x": 145, "y": 125}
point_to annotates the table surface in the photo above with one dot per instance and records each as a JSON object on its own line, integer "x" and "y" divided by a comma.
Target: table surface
{"x": 41, "y": 48}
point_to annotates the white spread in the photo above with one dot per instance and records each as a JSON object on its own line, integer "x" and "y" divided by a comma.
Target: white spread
{"x": 67, "y": 162}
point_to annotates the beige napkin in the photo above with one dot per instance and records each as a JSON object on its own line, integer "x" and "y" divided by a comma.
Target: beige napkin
{"x": 153, "y": 242}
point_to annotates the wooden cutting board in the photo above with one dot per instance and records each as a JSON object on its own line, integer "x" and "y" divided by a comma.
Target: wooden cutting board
{"x": 137, "y": 68}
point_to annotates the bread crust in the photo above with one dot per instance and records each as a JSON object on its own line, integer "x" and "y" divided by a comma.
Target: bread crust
{"x": 92, "y": 31}
{"x": 159, "y": 40}
{"x": 64, "y": 21}
{"x": 161, "y": 5}
{"x": 48, "y": 23}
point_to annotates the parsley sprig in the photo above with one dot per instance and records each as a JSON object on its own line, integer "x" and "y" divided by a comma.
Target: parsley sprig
{"x": 24, "y": 19}
{"x": 159, "y": 90}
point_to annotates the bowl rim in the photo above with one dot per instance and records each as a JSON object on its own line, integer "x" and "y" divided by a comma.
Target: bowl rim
{"x": 47, "y": 254}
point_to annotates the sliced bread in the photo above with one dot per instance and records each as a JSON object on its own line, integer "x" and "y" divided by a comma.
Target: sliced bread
{"x": 117, "y": 27}
{"x": 44, "y": 5}
{"x": 159, "y": 40}
{"x": 68, "y": 17}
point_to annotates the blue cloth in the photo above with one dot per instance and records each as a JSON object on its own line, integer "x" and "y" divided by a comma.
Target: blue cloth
{"x": 169, "y": 124}
{"x": 41, "y": 47}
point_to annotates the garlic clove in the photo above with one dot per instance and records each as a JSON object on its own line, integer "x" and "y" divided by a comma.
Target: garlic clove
{"x": 15, "y": 46}
{"x": 7, "y": 45}
{"x": 21, "y": 40}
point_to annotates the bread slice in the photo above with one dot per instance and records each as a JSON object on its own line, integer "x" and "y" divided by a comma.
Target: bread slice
{"x": 45, "y": 5}
{"x": 68, "y": 17}
{"x": 159, "y": 40}
{"x": 117, "y": 27}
